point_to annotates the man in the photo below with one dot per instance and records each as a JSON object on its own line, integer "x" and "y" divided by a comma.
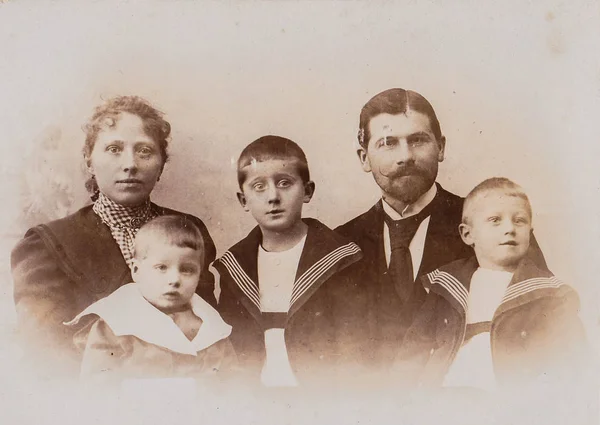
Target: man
{"x": 411, "y": 231}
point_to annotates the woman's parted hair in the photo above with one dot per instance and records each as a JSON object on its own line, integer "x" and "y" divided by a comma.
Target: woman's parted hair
{"x": 107, "y": 114}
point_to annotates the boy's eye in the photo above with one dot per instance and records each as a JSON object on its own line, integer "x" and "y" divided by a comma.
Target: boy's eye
{"x": 113, "y": 149}
{"x": 494, "y": 219}
{"x": 259, "y": 187}
{"x": 521, "y": 220}
{"x": 188, "y": 269}
{"x": 284, "y": 183}
{"x": 160, "y": 267}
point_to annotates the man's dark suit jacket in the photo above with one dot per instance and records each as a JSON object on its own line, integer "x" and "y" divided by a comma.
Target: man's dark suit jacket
{"x": 370, "y": 313}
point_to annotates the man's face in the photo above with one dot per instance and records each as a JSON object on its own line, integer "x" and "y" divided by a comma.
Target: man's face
{"x": 402, "y": 154}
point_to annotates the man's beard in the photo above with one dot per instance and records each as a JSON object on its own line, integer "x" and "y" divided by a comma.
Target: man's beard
{"x": 406, "y": 185}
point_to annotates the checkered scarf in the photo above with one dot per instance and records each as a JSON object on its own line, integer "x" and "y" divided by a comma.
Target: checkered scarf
{"x": 123, "y": 222}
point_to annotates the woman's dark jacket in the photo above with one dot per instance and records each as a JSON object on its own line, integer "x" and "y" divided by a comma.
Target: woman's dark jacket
{"x": 59, "y": 269}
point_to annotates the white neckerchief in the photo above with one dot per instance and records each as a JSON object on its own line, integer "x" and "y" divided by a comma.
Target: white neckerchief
{"x": 276, "y": 277}
{"x": 417, "y": 244}
{"x": 485, "y": 293}
{"x": 127, "y": 312}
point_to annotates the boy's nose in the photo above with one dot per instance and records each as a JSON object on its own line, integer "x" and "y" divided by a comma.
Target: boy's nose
{"x": 273, "y": 194}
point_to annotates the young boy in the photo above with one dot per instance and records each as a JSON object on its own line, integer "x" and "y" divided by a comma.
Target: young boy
{"x": 496, "y": 318}
{"x": 275, "y": 282}
{"x": 157, "y": 326}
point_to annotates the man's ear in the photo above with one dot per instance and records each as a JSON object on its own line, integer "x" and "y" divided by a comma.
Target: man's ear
{"x": 242, "y": 200}
{"x": 309, "y": 191}
{"x": 465, "y": 234}
{"x": 364, "y": 159}
{"x": 442, "y": 146}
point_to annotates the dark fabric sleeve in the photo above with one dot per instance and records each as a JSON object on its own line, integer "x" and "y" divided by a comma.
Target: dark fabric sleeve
{"x": 44, "y": 299}
{"x": 415, "y": 350}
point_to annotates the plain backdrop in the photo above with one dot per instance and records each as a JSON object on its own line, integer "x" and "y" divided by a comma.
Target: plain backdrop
{"x": 516, "y": 86}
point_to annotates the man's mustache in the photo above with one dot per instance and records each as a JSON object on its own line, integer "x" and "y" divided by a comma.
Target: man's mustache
{"x": 402, "y": 171}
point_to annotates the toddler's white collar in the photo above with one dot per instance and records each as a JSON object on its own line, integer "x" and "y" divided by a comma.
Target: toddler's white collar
{"x": 127, "y": 312}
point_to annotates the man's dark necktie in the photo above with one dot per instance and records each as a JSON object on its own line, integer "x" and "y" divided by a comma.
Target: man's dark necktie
{"x": 400, "y": 268}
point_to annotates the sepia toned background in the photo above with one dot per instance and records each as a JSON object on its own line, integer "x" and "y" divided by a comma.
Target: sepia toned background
{"x": 516, "y": 86}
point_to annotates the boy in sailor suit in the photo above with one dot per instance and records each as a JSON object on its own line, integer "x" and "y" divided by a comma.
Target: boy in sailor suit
{"x": 157, "y": 326}
{"x": 496, "y": 319}
{"x": 275, "y": 282}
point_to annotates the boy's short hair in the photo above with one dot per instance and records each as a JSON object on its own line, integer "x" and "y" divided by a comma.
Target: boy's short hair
{"x": 176, "y": 230}
{"x": 272, "y": 147}
{"x": 508, "y": 188}
{"x": 395, "y": 101}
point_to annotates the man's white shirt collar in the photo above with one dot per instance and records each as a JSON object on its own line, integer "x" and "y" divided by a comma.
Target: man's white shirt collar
{"x": 127, "y": 312}
{"x": 417, "y": 244}
{"x": 412, "y": 209}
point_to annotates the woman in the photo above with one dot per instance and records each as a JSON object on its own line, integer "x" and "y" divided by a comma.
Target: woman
{"x": 61, "y": 267}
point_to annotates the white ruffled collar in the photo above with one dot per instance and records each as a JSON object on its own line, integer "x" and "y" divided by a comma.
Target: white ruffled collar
{"x": 127, "y": 312}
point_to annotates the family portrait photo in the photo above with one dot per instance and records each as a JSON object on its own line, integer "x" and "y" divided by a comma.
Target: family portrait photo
{"x": 300, "y": 212}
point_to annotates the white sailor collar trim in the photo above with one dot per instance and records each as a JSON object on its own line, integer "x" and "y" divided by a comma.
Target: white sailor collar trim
{"x": 127, "y": 312}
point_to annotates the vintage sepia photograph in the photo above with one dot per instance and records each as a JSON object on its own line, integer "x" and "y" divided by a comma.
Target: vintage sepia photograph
{"x": 300, "y": 212}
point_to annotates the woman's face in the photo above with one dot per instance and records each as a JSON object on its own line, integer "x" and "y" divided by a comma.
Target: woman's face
{"x": 126, "y": 161}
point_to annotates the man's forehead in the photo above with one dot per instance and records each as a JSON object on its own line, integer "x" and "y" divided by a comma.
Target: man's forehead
{"x": 402, "y": 124}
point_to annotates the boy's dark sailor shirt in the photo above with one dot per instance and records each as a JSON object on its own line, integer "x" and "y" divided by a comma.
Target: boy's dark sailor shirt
{"x": 535, "y": 331}
{"x": 310, "y": 334}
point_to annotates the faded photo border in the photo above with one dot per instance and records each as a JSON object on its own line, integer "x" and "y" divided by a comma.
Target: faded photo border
{"x": 516, "y": 86}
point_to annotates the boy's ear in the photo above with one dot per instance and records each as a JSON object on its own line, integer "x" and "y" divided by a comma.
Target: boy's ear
{"x": 242, "y": 200}
{"x": 364, "y": 159}
{"x": 465, "y": 234}
{"x": 309, "y": 191}
{"x": 134, "y": 270}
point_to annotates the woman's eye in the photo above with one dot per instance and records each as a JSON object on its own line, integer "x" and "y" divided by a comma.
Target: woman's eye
{"x": 146, "y": 151}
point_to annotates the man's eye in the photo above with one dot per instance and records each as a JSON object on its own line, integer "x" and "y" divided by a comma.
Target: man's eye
{"x": 419, "y": 140}
{"x": 386, "y": 142}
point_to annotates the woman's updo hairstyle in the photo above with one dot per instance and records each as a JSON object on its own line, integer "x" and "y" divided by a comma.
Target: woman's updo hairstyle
{"x": 107, "y": 115}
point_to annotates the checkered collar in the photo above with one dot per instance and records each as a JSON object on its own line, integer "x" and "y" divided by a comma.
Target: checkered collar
{"x": 119, "y": 216}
